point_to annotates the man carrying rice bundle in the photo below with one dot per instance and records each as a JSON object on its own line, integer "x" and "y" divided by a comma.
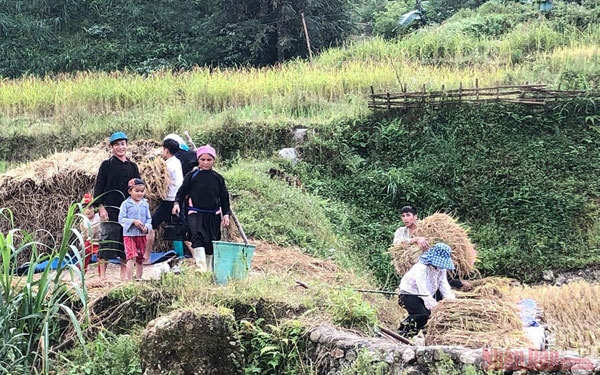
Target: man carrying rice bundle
{"x": 421, "y": 283}
{"x": 406, "y": 234}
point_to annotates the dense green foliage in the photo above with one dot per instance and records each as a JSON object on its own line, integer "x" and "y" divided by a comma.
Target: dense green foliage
{"x": 39, "y": 37}
{"x": 351, "y": 311}
{"x": 525, "y": 181}
{"x": 477, "y": 19}
{"x": 106, "y": 355}
{"x": 273, "y": 349}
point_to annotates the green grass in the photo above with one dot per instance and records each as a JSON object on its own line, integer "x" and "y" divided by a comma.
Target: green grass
{"x": 34, "y": 311}
{"x": 106, "y": 355}
{"x": 273, "y": 211}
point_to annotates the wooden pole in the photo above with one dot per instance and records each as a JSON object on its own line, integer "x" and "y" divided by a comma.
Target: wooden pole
{"x": 307, "y": 38}
{"x": 194, "y": 148}
{"x": 373, "y": 96}
{"x": 239, "y": 227}
{"x": 395, "y": 335}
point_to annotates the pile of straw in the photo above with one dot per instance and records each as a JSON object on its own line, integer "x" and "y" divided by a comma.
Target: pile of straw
{"x": 491, "y": 287}
{"x": 438, "y": 228}
{"x": 39, "y": 193}
{"x": 476, "y": 323}
{"x": 155, "y": 174}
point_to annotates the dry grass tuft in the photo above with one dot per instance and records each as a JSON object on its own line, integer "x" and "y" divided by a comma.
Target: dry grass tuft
{"x": 438, "y": 227}
{"x": 476, "y": 323}
{"x": 491, "y": 287}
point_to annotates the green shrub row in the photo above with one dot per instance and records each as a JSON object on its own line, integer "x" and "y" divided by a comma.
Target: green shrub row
{"x": 525, "y": 181}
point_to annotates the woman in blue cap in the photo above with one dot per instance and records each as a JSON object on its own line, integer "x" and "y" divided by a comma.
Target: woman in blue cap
{"x": 420, "y": 284}
{"x": 110, "y": 191}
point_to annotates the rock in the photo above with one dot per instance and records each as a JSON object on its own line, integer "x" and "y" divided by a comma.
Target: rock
{"x": 390, "y": 358}
{"x": 411, "y": 370}
{"x": 548, "y": 275}
{"x": 421, "y": 355}
{"x": 350, "y": 356}
{"x": 315, "y": 335}
{"x": 337, "y": 353}
{"x": 290, "y": 154}
{"x": 188, "y": 342}
{"x": 300, "y": 135}
{"x": 560, "y": 280}
{"x": 469, "y": 357}
{"x": 408, "y": 356}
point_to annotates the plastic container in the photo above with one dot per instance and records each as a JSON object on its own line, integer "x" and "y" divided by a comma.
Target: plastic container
{"x": 231, "y": 260}
{"x": 178, "y": 247}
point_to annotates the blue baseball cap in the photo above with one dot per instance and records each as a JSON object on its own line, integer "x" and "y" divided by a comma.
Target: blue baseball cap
{"x": 117, "y": 137}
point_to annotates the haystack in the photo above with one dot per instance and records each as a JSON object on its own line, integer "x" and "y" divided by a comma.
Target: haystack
{"x": 476, "y": 323}
{"x": 40, "y": 193}
{"x": 155, "y": 174}
{"x": 438, "y": 227}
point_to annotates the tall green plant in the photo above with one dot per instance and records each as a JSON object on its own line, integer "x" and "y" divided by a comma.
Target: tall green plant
{"x": 33, "y": 308}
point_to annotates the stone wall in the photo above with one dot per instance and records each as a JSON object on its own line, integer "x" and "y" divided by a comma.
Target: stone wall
{"x": 334, "y": 351}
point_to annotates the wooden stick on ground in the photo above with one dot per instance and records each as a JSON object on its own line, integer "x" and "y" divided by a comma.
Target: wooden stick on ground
{"x": 394, "y": 335}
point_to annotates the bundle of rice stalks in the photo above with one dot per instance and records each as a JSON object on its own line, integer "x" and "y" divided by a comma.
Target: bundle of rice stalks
{"x": 155, "y": 174}
{"x": 40, "y": 193}
{"x": 404, "y": 256}
{"x": 491, "y": 287}
{"x": 476, "y": 323}
{"x": 438, "y": 227}
{"x": 501, "y": 282}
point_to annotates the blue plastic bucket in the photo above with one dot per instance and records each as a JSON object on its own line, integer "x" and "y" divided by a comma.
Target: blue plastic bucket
{"x": 231, "y": 260}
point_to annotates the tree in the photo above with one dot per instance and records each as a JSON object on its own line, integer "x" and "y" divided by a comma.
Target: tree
{"x": 262, "y": 32}
{"x": 40, "y": 36}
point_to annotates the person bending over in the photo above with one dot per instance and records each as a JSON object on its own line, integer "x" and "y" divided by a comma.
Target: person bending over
{"x": 420, "y": 284}
{"x": 406, "y": 234}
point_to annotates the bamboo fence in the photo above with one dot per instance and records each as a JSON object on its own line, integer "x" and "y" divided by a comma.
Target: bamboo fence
{"x": 529, "y": 94}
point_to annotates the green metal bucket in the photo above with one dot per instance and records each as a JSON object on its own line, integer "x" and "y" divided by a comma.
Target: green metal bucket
{"x": 231, "y": 260}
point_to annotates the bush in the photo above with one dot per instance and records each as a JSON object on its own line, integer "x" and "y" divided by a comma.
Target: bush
{"x": 351, "y": 311}
{"x": 273, "y": 349}
{"x": 386, "y": 21}
{"x": 440, "y": 10}
{"x": 106, "y": 355}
